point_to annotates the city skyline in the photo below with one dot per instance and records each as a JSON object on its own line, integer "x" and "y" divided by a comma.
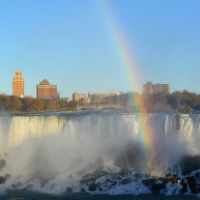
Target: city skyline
{"x": 71, "y": 44}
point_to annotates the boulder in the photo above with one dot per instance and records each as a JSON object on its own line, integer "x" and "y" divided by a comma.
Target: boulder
{"x": 92, "y": 187}
{"x": 192, "y": 184}
{"x": 197, "y": 174}
{"x": 157, "y": 187}
{"x": 149, "y": 182}
{"x": 138, "y": 175}
{"x": 184, "y": 187}
{"x": 126, "y": 181}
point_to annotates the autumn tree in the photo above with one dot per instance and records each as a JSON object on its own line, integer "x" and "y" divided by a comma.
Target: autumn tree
{"x": 14, "y": 103}
{"x": 28, "y": 103}
{"x": 71, "y": 105}
{"x": 49, "y": 104}
{"x": 3, "y": 102}
{"x": 62, "y": 104}
{"x": 38, "y": 104}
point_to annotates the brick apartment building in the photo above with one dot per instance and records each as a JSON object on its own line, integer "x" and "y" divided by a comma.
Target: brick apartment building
{"x": 45, "y": 90}
{"x": 150, "y": 88}
{"x": 18, "y": 84}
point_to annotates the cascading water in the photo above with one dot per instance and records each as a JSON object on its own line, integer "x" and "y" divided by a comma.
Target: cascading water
{"x": 97, "y": 153}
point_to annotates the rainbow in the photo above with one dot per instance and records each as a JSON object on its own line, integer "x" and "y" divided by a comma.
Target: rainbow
{"x": 127, "y": 60}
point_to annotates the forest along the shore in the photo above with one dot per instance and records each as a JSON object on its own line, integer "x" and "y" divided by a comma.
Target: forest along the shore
{"x": 178, "y": 101}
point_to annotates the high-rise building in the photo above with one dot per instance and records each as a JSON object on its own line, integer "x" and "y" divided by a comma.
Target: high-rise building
{"x": 149, "y": 88}
{"x": 18, "y": 84}
{"x": 45, "y": 90}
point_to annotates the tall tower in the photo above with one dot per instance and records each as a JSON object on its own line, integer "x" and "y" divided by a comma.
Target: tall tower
{"x": 18, "y": 84}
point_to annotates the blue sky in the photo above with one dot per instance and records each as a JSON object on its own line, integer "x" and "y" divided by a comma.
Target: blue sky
{"x": 69, "y": 43}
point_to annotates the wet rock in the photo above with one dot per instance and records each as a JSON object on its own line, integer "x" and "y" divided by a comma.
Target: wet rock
{"x": 138, "y": 175}
{"x": 126, "y": 181}
{"x": 69, "y": 189}
{"x": 167, "y": 175}
{"x": 163, "y": 179}
{"x": 186, "y": 170}
{"x": 2, "y": 180}
{"x": 149, "y": 182}
{"x": 172, "y": 180}
{"x": 197, "y": 175}
{"x": 83, "y": 181}
{"x": 157, "y": 187}
{"x": 184, "y": 187}
{"x": 114, "y": 183}
{"x": 92, "y": 187}
{"x": 2, "y": 163}
{"x": 155, "y": 176}
{"x": 82, "y": 190}
{"x": 192, "y": 184}
{"x": 122, "y": 173}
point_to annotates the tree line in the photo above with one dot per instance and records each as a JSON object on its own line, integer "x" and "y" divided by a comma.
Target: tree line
{"x": 29, "y": 104}
{"x": 178, "y": 101}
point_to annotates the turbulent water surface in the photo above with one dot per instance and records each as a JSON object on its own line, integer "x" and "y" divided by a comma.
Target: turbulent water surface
{"x": 100, "y": 153}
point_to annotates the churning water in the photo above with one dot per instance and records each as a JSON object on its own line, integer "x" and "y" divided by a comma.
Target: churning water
{"x": 100, "y": 153}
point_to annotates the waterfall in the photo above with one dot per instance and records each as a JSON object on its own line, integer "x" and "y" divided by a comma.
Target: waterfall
{"x": 52, "y": 153}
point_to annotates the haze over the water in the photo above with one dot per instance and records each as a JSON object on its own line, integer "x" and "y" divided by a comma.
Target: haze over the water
{"x": 70, "y": 43}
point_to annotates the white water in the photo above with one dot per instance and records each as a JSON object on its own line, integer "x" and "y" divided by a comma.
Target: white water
{"x": 53, "y": 152}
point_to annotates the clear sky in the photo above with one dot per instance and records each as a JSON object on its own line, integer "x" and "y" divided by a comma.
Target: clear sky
{"x": 70, "y": 43}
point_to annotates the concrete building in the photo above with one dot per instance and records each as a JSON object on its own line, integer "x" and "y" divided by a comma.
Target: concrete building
{"x": 100, "y": 96}
{"x": 18, "y": 84}
{"x": 45, "y": 90}
{"x": 77, "y": 96}
{"x": 103, "y": 95}
{"x": 150, "y": 88}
